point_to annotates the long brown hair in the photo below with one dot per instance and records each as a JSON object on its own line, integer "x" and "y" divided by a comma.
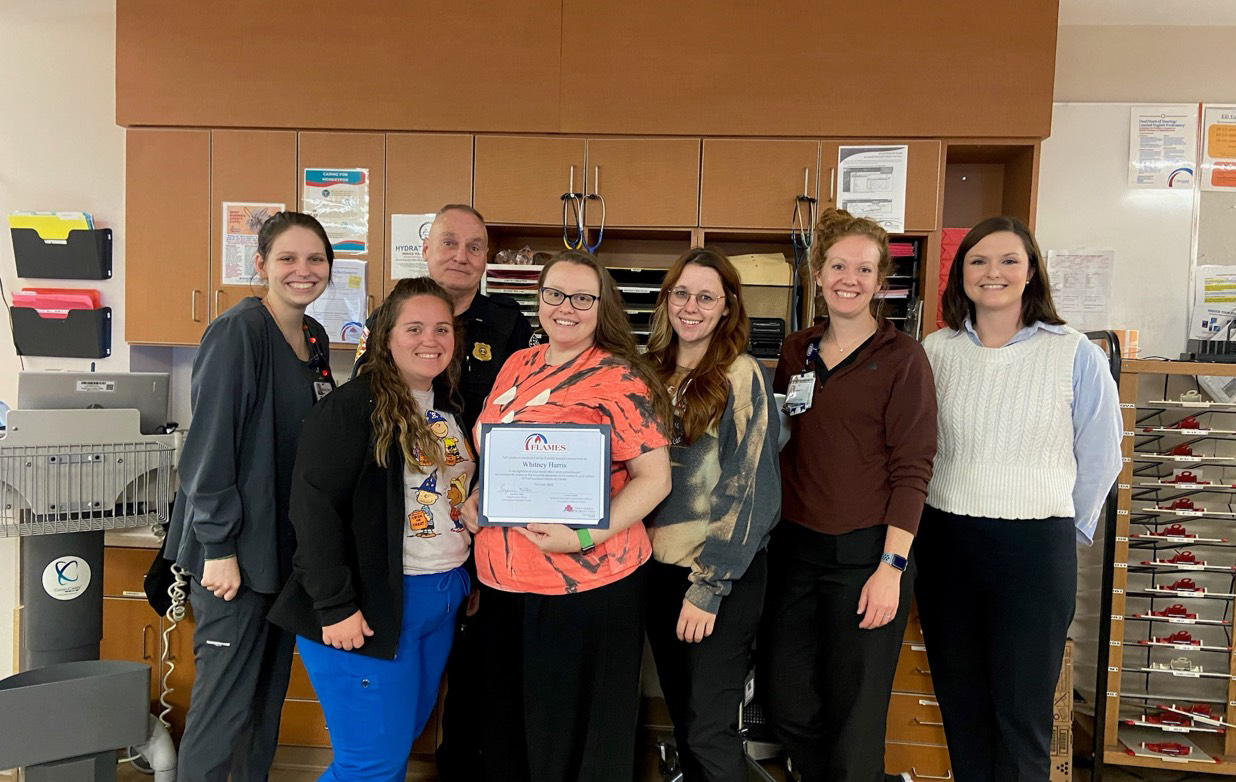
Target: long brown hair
{"x": 832, "y": 226}
{"x": 613, "y": 333}
{"x": 396, "y": 416}
{"x": 1036, "y": 301}
{"x": 706, "y": 389}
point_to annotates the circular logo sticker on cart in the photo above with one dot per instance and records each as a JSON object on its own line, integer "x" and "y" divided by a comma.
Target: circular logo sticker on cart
{"x": 66, "y": 578}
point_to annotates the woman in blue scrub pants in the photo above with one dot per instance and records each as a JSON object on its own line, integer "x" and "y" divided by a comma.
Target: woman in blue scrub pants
{"x": 377, "y": 575}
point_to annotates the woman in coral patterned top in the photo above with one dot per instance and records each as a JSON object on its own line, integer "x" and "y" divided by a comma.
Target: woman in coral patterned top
{"x": 563, "y": 621}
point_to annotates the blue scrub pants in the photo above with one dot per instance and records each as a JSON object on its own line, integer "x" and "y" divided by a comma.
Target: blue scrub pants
{"x": 376, "y": 708}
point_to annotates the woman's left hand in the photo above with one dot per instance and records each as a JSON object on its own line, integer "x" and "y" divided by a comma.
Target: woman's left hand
{"x": 551, "y": 538}
{"x": 880, "y": 597}
{"x": 694, "y": 623}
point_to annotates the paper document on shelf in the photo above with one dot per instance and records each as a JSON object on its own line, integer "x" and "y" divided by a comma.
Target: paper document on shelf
{"x": 1214, "y": 302}
{"x": 1219, "y": 147}
{"x": 872, "y": 183}
{"x": 408, "y": 234}
{"x": 1162, "y": 146}
{"x": 52, "y": 227}
{"x": 1081, "y": 286}
{"x": 339, "y": 199}
{"x": 241, "y": 224}
{"x": 341, "y": 309}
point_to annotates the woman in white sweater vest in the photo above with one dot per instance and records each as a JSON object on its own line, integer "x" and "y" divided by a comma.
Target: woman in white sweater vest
{"x": 1029, "y": 445}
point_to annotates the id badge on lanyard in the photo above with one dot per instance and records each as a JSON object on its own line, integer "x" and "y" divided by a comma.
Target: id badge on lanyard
{"x": 320, "y": 389}
{"x": 802, "y": 387}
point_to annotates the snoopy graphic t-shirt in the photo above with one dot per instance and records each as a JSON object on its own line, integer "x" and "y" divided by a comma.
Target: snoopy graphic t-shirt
{"x": 435, "y": 539}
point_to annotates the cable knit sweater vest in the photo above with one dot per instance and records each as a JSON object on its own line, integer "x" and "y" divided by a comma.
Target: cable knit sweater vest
{"x": 1005, "y": 425}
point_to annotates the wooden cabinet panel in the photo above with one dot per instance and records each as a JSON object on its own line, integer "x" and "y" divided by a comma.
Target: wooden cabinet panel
{"x": 913, "y": 672}
{"x": 407, "y": 66}
{"x": 521, "y": 179}
{"x": 257, "y": 166}
{"x": 425, "y": 172}
{"x": 646, "y": 182}
{"x": 914, "y": 718}
{"x": 131, "y": 633}
{"x": 299, "y": 685}
{"x": 805, "y": 69}
{"x": 167, "y": 236}
{"x": 751, "y": 183}
{"x": 925, "y": 762}
{"x": 124, "y": 571}
{"x": 303, "y": 724}
{"x": 354, "y": 150}
{"x": 924, "y": 182}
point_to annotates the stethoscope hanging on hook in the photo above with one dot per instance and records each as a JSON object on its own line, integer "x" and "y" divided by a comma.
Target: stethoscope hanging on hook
{"x": 573, "y": 216}
{"x": 574, "y": 220}
{"x": 595, "y": 195}
{"x": 800, "y": 239}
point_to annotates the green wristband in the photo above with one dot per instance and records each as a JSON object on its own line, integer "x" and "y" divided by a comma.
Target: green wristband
{"x": 585, "y": 541}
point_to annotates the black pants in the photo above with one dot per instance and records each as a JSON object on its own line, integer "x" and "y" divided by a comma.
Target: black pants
{"x": 996, "y": 598}
{"x": 562, "y": 683}
{"x": 826, "y": 682}
{"x": 458, "y": 757}
{"x": 703, "y": 682}
{"x": 243, "y": 664}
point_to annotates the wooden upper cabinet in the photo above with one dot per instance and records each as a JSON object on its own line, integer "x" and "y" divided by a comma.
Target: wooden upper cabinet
{"x": 521, "y": 179}
{"x": 646, "y": 182}
{"x": 167, "y": 236}
{"x": 246, "y": 166}
{"x": 354, "y": 150}
{"x": 752, "y": 183}
{"x": 924, "y": 180}
{"x": 425, "y": 172}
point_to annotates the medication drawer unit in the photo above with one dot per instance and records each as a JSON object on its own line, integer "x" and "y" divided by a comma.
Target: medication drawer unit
{"x": 1170, "y": 691}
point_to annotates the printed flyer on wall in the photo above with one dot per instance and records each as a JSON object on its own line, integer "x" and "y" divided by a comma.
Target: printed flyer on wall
{"x": 341, "y": 309}
{"x": 1219, "y": 152}
{"x": 408, "y": 233}
{"x": 241, "y": 224}
{"x": 1163, "y": 146}
{"x": 339, "y": 198}
{"x": 872, "y": 183}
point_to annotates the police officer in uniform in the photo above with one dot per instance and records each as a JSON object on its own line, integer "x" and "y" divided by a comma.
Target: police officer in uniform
{"x": 455, "y": 251}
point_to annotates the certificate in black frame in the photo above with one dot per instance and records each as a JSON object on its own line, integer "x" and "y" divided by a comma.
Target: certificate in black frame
{"x": 540, "y": 449}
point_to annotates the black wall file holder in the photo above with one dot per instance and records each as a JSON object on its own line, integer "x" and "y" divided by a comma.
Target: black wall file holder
{"x": 83, "y": 334}
{"x": 85, "y": 255}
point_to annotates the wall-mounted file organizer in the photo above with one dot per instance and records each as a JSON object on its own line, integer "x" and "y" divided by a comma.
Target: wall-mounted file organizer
{"x": 84, "y": 255}
{"x": 84, "y": 333}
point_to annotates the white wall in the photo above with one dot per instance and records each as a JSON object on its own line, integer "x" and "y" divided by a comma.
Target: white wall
{"x": 60, "y": 149}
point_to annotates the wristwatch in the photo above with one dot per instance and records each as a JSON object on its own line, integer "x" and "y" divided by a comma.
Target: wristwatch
{"x": 896, "y": 560}
{"x": 585, "y": 541}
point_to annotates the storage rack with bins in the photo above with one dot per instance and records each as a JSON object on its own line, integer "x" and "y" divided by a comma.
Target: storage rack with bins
{"x": 1169, "y": 674}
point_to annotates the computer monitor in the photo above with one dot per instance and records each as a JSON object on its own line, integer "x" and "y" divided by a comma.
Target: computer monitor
{"x": 146, "y": 392}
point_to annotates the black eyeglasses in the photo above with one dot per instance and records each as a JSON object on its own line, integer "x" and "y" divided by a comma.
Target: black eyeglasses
{"x": 580, "y": 301}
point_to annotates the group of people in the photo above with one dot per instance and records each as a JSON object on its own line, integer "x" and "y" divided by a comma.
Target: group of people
{"x": 344, "y": 521}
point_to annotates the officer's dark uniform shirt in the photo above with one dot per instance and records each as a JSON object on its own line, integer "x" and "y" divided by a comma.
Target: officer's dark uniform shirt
{"x": 494, "y": 328}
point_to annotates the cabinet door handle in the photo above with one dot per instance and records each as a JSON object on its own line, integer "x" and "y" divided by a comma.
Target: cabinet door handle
{"x": 571, "y": 187}
{"x": 193, "y": 294}
{"x": 832, "y": 184}
{"x": 369, "y": 302}
{"x": 145, "y": 650}
{"x": 922, "y": 671}
{"x": 928, "y": 723}
{"x": 806, "y": 182}
{"x": 596, "y": 181}
{"x": 218, "y": 309}
{"x": 914, "y": 772}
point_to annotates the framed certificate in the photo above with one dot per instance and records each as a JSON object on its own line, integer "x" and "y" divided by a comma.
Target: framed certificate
{"x": 545, "y": 473}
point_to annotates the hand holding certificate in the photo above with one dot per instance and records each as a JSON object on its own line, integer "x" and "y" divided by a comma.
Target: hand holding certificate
{"x": 545, "y": 473}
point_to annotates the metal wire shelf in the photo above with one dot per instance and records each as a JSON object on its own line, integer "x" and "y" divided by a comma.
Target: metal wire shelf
{"x": 53, "y": 489}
